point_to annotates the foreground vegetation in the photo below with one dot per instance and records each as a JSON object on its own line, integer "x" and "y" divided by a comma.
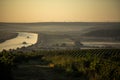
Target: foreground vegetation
{"x": 95, "y": 64}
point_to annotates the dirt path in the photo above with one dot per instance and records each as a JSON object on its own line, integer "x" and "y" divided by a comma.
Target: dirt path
{"x": 35, "y": 71}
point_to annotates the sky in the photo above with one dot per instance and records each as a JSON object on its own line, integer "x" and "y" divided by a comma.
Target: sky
{"x": 59, "y": 11}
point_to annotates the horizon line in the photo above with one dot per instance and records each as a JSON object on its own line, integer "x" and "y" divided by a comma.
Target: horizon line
{"x": 68, "y": 22}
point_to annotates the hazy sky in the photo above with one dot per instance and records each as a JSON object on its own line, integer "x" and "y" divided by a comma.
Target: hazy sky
{"x": 59, "y": 10}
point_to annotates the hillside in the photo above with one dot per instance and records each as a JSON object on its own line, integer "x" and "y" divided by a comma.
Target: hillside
{"x": 6, "y": 36}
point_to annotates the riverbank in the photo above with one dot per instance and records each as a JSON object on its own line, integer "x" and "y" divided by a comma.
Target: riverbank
{"x": 24, "y": 39}
{"x": 6, "y": 36}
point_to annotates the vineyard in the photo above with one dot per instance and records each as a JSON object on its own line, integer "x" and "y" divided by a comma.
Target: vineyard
{"x": 89, "y": 64}
{"x": 82, "y": 53}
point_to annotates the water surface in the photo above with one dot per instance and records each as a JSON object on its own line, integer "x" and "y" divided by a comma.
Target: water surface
{"x": 23, "y": 39}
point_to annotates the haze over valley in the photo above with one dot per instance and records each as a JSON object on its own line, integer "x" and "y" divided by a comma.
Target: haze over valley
{"x": 70, "y": 35}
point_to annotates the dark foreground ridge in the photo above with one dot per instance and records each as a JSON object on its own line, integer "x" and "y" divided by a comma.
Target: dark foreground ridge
{"x": 95, "y": 64}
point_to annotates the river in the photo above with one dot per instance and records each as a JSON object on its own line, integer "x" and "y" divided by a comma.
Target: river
{"x": 24, "y": 39}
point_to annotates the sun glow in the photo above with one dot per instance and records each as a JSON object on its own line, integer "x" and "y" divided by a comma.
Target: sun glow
{"x": 59, "y": 10}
